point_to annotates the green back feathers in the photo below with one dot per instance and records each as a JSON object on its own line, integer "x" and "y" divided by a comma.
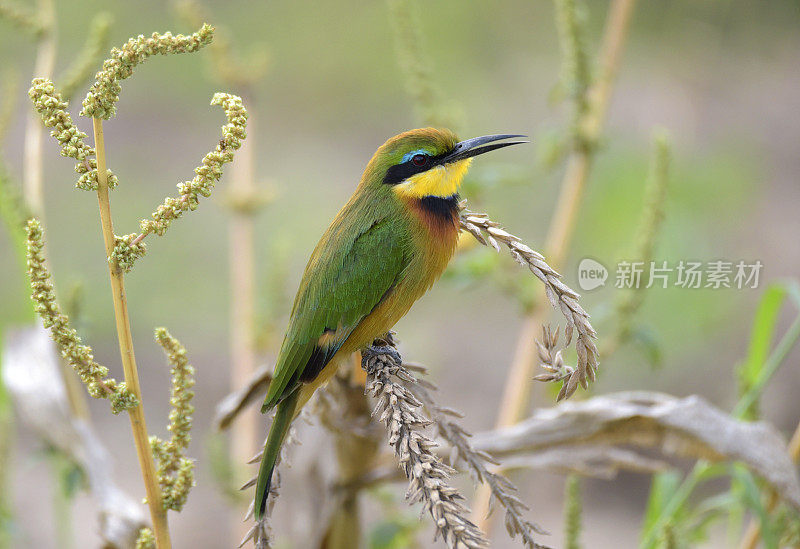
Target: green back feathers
{"x": 358, "y": 260}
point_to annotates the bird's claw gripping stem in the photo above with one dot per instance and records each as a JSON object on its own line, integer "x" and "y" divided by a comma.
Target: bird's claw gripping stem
{"x": 374, "y": 351}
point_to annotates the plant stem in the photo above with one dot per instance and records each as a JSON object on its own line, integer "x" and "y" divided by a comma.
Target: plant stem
{"x": 241, "y": 234}
{"x": 32, "y": 152}
{"x": 157, "y": 512}
{"x": 753, "y": 532}
{"x": 516, "y": 394}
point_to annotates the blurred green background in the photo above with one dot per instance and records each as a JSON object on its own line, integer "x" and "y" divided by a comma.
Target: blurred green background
{"x": 722, "y": 77}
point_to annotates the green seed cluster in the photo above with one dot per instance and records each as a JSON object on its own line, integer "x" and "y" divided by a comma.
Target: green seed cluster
{"x": 208, "y": 173}
{"x": 101, "y": 99}
{"x": 53, "y": 110}
{"x": 175, "y": 470}
{"x": 124, "y": 254}
{"x": 79, "y": 356}
{"x": 146, "y": 539}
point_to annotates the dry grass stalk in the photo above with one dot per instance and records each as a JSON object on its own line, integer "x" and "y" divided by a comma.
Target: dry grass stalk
{"x": 561, "y": 297}
{"x": 477, "y": 463}
{"x": 516, "y": 394}
{"x": 144, "y": 452}
{"x": 517, "y": 389}
{"x": 414, "y": 62}
{"x": 401, "y": 412}
{"x": 345, "y": 411}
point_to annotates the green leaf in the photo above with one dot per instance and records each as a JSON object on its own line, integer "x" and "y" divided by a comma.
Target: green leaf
{"x": 662, "y": 489}
{"x": 761, "y": 337}
{"x": 750, "y": 495}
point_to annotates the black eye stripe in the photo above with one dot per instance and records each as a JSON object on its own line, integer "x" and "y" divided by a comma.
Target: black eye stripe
{"x": 400, "y": 172}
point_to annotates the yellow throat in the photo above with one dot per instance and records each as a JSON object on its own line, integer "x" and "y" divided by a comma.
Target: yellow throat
{"x": 440, "y": 181}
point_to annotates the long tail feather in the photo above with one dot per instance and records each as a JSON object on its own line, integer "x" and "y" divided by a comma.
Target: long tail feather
{"x": 272, "y": 448}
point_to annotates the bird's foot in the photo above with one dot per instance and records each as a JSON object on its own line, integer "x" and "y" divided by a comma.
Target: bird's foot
{"x": 381, "y": 347}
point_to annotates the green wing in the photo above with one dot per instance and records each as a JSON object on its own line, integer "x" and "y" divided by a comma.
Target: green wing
{"x": 342, "y": 284}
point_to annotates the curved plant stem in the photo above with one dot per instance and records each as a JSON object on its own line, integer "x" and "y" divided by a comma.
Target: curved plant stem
{"x": 143, "y": 451}
{"x": 516, "y": 394}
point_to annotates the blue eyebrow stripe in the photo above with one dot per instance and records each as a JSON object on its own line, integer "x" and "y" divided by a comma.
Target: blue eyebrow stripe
{"x": 409, "y": 156}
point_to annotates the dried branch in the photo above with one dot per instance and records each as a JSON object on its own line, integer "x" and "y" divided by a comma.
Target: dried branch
{"x": 31, "y": 372}
{"x": 234, "y": 403}
{"x": 685, "y": 427}
{"x": 400, "y": 411}
{"x": 561, "y": 296}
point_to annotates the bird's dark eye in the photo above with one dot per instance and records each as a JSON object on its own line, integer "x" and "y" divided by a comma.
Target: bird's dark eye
{"x": 419, "y": 159}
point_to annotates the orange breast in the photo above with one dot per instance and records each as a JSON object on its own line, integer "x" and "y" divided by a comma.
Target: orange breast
{"x": 435, "y": 235}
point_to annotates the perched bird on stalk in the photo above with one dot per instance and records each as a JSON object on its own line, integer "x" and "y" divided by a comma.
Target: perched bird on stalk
{"x": 383, "y": 250}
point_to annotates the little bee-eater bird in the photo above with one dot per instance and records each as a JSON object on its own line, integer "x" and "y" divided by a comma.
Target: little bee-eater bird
{"x": 381, "y": 253}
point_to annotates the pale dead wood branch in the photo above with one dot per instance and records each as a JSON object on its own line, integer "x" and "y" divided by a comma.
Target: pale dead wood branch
{"x": 31, "y": 373}
{"x": 685, "y": 427}
{"x": 232, "y": 405}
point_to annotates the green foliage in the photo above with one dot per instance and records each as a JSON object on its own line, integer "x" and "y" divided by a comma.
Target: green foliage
{"x": 750, "y": 372}
{"x": 573, "y": 509}
{"x": 397, "y": 529}
{"x": 669, "y": 505}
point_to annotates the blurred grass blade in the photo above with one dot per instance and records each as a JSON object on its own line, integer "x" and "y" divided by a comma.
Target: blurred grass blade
{"x": 762, "y": 335}
{"x": 763, "y": 328}
{"x": 662, "y": 489}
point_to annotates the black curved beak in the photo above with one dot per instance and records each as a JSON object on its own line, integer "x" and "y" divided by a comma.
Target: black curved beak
{"x": 477, "y": 145}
